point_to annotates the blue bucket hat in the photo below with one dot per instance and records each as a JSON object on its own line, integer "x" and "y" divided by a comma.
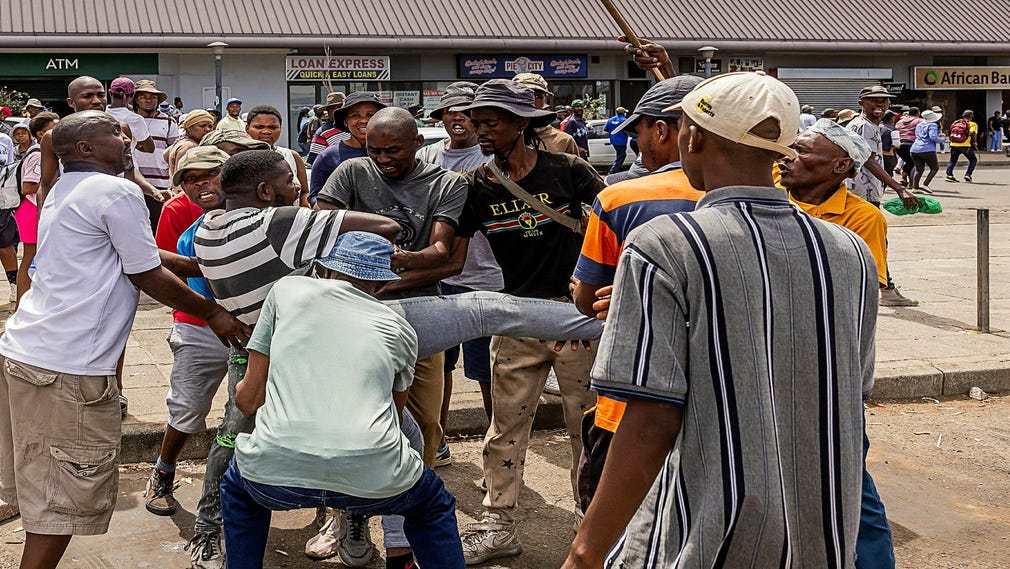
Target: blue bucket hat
{"x": 362, "y": 255}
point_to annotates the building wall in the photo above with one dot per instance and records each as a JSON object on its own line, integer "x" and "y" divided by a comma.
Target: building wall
{"x": 256, "y": 78}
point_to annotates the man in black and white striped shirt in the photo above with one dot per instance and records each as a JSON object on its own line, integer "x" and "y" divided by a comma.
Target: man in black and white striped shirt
{"x": 742, "y": 333}
{"x": 243, "y": 251}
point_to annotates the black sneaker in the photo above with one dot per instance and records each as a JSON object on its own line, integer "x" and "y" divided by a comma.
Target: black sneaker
{"x": 159, "y": 493}
{"x": 967, "y": 179}
{"x": 124, "y": 405}
{"x": 951, "y": 179}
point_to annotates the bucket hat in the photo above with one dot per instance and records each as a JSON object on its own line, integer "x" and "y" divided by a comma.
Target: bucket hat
{"x": 33, "y": 102}
{"x": 215, "y": 137}
{"x": 199, "y": 158}
{"x": 533, "y": 81}
{"x": 931, "y": 116}
{"x": 362, "y": 255}
{"x": 357, "y": 97}
{"x": 334, "y": 99}
{"x": 458, "y": 94}
{"x": 512, "y": 97}
{"x": 148, "y": 86}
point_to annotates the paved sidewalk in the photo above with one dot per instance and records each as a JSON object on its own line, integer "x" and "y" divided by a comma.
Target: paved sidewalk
{"x": 929, "y": 350}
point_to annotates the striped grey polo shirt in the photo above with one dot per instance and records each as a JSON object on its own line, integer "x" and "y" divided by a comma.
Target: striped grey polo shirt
{"x": 758, "y": 320}
{"x": 243, "y": 252}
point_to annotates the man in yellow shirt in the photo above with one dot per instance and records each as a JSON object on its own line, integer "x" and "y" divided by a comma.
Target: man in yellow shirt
{"x": 963, "y": 140}
{"x": 828, "y": 155}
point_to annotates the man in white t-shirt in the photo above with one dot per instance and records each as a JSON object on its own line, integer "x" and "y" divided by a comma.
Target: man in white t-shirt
{"x": 122, "y": 91}
{"x": 59, "y": 407}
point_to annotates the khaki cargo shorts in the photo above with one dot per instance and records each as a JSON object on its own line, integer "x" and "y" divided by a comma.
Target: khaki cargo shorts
{"x": 59, "y": 448}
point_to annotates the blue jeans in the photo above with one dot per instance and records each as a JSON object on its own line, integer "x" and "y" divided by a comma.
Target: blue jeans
{"x": 874, "y": 549}
{"x": 955, "y": 153}
{"x": 621, "y": 151}
{"x": 428, "y": 509}
{"x": 997, "y": 141}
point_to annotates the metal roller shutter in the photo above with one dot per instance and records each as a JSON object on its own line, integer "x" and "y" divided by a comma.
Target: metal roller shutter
{"x": 837, "y": 94}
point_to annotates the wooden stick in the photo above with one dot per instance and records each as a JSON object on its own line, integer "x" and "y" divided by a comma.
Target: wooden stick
{"x": 626, "y": 30}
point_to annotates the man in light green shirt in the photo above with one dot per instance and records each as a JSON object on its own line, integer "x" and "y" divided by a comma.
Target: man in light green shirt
{"x": 327, "y": 428}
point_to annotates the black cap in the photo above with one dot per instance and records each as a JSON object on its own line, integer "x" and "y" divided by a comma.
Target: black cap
{"x": 662, "y": 95}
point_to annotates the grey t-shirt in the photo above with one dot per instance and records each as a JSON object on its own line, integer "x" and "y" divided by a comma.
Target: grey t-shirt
{"x": 865, "y": 184}
{"x": 428, "y": 194}
{"x": 461, "y": 160}
{"x": 481, "y": 270}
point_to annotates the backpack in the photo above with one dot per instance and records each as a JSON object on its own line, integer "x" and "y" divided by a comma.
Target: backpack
{"x": 960, "y": 131}
{"x": 10, "y": 183}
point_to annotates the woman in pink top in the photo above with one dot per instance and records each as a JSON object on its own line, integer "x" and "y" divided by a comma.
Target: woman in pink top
{"x": 906, "y": 130}
{"x": 27, "y": 214}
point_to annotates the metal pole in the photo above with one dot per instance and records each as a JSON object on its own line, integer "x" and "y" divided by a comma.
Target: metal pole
{"x": 982, "y": 270}
{"x": 217, "y": 84}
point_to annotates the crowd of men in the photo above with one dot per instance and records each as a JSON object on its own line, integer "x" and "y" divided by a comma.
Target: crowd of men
{"x": 336, "y": 309}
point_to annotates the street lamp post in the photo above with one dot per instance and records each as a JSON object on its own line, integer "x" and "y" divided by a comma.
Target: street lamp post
{"x": 218, "y": 48}
{"x": 708, "y": 52}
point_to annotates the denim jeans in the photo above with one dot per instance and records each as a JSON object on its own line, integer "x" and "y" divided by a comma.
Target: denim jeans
{"x": 996, "y": 139}
{"x": 955, "y": 153}
{"x": 621, "y": 151}
{"x": 874, "y": 549}
{"x": 429, "y": 512}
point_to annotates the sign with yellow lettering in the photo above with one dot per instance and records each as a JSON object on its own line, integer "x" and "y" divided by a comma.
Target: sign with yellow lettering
{"x": 961, "y": 78}
{"x": 338, "y": 67}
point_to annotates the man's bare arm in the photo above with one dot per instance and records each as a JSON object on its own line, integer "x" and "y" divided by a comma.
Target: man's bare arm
{"x": 251, "y": 392}
{"x": 181, "y": 266}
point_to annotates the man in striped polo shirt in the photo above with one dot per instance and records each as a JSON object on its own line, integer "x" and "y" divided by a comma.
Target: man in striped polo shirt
{"x": 243, "y": 250}
{"x": 617, "y": 210}
{"x": 744, "y": 331}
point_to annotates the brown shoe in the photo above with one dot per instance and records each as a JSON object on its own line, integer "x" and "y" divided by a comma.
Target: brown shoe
{"x": 160, "y": 487}
{"x": 891, "y": 297}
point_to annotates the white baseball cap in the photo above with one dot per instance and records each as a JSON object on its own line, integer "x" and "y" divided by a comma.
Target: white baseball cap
{"x": 732, "y": 104}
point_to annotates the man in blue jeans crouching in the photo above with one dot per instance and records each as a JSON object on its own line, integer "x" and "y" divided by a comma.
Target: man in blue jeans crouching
{"x": 328, "y": 421}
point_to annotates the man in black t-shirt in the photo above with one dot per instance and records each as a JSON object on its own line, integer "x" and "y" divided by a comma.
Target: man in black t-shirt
{"x": 537, "y": 255}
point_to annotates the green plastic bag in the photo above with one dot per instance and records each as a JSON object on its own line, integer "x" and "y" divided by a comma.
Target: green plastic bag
{"x": 897, "y": 207}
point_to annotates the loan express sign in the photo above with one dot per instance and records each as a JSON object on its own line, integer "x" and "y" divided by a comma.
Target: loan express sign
{"x": 960, "y": 78}
{"x": 336, "y": 68}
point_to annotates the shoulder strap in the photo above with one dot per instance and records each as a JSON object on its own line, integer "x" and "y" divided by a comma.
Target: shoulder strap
{"x": 514, "y": 188}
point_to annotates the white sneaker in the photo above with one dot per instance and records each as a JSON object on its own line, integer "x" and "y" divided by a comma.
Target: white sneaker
{"x": 552, "y": 386}
{"x": 490, "y": 538}
{"x": 323, "y": 545}
{"x": 355, "y": 546}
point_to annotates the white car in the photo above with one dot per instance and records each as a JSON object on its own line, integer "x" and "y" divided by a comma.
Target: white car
{"x": 432, "y": 134}
{"x": 601, "y": 153}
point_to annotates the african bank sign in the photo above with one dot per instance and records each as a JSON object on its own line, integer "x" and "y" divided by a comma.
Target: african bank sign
{"x": 508, "y": 66}
{"x": 961, "y": 78}
{"x": 336, "y": 68}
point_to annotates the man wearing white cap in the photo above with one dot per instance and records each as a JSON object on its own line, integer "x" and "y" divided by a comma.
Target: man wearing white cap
{"x": 779, "y": 313}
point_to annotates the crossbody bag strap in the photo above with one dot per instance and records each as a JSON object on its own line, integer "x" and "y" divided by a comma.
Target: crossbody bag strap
{"x": 517, "y": 191}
